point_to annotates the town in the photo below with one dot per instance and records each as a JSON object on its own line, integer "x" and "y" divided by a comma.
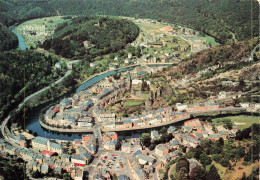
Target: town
{"x": 144, "y": 113}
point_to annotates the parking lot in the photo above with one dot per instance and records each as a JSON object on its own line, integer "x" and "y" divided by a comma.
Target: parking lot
{"x": 111, "y": 161}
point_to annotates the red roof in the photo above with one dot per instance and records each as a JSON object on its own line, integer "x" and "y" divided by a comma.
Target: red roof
{"x": 168, "y": 27}
{"x": 47, "y": 153}
{"x": 192, "y": 135}
{"x": 56, "y": 110}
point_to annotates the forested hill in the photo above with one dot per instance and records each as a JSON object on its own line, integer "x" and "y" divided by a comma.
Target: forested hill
{"x": 216, "y": 17}
{"x": 15, "y": 11}
{"x": 8, "y": 40}
{"x": 88, "y": 37}
{"x": 38, "y": 73}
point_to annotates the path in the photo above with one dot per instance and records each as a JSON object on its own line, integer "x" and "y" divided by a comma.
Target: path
{"x": 234, "y": 37}
{"x": 170, "y": 170}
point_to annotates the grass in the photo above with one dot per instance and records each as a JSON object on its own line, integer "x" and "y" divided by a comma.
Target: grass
{"x": 246, "y": 120}
{"x": 238, "y": 173}
{"x": 173, "y": 170}
{"x": 133, "y": 104}
{"x": 211, "y": 40}
{"x": 161, "y": 171}
{"x": 149, "y": 26}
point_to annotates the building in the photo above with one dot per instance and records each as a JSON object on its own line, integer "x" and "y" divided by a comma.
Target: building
{"x": 181, "y": 107}
{"x": 244, "y": 104}
{"x": 155, "y": 135}
{"x": 41, "y": 144}
{"x": 127, "y": 123}
{"x": 144, "y": 159}
{"x": 78, "y": 161}
{"x": 161, "y": 150}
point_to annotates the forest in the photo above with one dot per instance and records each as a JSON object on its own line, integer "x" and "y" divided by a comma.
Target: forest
{"x": 215, "y": 17}
{"x": 219, "y": 18}
{"x": 13, "y": 11}
{"x": 88, "y": 37}
{"x": 8, "y": 40}
{"x": 23, "y": 73}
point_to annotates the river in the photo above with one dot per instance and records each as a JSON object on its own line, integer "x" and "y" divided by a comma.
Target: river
{"x": 33, "y": 117}
{"x": 22, "y": 45}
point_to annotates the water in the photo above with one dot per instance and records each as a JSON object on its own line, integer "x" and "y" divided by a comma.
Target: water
{"x": 99, "y": 78}
{"x": 33, "y": 117}
{"x": 22, "y": 45}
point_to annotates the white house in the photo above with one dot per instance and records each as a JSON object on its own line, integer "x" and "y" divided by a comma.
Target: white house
{"x": 181, "y": 107}
{"x": 244, "y": 104}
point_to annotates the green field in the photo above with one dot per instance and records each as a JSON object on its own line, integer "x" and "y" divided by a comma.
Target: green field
{"x": 133, "y": 104}
{"x": 246, "y": 121}
{"x": 149, "y": 26}
{"x": 211, "y": 40}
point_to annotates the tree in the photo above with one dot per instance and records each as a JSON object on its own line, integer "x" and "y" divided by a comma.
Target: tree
{"x": 213, "y": 174}
{"x": 205, "y": 159}
{"x": 197, "y": 173}
{"x": 182, "y": 163}
{"x": 224, "y": 162}
{"x": 221, "y": 141}
{"x": 146, "y": 139}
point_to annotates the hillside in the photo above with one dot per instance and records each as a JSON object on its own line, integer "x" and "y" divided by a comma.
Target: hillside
{"x": 12, "y": 11}
{"x": 213, "y": 17}
{"x": 19, "y": 67}
{"x": 89, "y": 37}
{"x": 8, "y": 40}
{"x": 227, "y": 57}
{"x": 209, "y": 16}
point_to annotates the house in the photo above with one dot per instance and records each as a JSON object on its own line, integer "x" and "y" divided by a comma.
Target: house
{"x": 77, "y": 160}
{"x": 244, "y": 104}
{"x": 128, "y": 123}
{"x": 174, "y": 143}
{"x": 222, "y": 95}
{"x": 144, "y": 159}
{"x": 47, "y": 153}
{"x": 123, "y": 177}
{"x": 109, "y": 136}
{"x": 113, "y": 144}
{"x": 44, "y": 169}
{"x": 155, "y": 44}
{"x": 223, "y": 134}
{"x": 227, "y": 83}
{"x": 161, "y": 150}
{"x": 137, "y": 153}
{"x": 155, "y": 135}
{"x": 181, "y": 107}
{"x": 194, "y": 123}
{"x": 87, "y": 156}
{"x": 55, "y": 147}
{"x": 98, "y": 177}
{"x": 171, "y": 129}
{"x": 190, "y": 141}
{"x": 187, "y": 129}
{"x": 39, "y": 143}
{"x": 57, "y": 170}
{"x": 126, "y": 147}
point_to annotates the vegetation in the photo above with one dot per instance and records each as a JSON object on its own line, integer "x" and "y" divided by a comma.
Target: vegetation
{"x": 217, "y": 56}
{"x": 10, "y": 169}
{"x": 8, "y": 40}
{"x": 23, "y": 73}
{"x": 12, "y": 11}
{"x": 212, "y": 17}
{"x": 133, "y": 104}
{"x": 102, "y": 36}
